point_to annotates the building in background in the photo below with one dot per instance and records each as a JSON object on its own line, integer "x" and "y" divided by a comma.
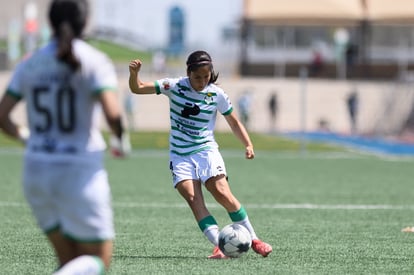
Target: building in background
{"x": 279, "y": 37}
{"x": 353, "y": 38}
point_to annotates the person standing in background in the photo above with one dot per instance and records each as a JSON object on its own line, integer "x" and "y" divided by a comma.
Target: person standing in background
{"x": 352, "y": 103}
{"x": 129, "y": 107}
{"x": 158, "y": 63}
{"x": 273, "y": 109}
{"x": 244, "y": 105}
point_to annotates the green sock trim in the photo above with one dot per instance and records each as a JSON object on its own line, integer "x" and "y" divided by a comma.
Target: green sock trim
{"x": 239, "y": 215}
{"x": 101, "y": 265}
{"x": 206, "y": 222}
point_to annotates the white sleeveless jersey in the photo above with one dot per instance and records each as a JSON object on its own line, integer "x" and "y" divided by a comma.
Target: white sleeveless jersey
{"x": 192, "y": 114}
{"x": 62, "y": 106}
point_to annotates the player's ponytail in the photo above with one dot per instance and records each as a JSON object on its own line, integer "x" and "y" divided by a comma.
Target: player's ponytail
{"x": 68, "y": 19}
{"x": 64, "y": 52}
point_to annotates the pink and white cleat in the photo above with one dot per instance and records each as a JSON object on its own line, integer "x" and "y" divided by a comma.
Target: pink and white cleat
{"x": 261, "y": 247}
{"x": 217, "y": 254}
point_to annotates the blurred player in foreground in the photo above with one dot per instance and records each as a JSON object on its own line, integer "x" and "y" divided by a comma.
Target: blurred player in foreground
{"x": 64, "y": 179}
{"x": 194, "y": 156}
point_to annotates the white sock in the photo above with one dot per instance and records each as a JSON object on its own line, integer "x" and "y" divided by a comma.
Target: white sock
{"x": 246, "y": 223}
{"x": 82, "y": 265}
{"x": 212, "y": 233}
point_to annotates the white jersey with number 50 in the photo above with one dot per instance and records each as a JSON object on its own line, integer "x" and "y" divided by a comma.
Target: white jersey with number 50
{"x": 62, "y": 105}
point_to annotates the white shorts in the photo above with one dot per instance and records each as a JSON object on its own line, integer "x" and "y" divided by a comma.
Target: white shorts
{"x": 70, "y": 193}
{"x": 199, "y": 166}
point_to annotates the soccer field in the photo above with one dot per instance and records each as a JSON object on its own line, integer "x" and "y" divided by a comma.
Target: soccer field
{"x": 324, "y": 213}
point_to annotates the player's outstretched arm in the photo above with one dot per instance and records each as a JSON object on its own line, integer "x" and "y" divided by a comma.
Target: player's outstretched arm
{"x": 135, "y": 84}
{"x": 241, "y": 133}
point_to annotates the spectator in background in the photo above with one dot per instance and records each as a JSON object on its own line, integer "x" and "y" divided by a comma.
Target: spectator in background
{"x": 352, "y": 103}
{"x": 158, "y": 62}
{"x": 129, "y": 107}
{"x": 244, "y": 104}
{"x": 351, "y": 54}
{"x": 317, "y": 63}
{"x": 273, "y": 108}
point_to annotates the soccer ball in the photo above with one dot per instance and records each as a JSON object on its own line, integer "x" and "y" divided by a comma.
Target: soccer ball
{"x": 234, "y": 240}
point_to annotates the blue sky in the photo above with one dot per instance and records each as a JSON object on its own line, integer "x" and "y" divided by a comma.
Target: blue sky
{"x": 149, "y": 18}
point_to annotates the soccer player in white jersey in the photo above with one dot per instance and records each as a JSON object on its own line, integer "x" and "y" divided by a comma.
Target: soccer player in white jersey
{"x": 64, "y": 178}
{"x": 194, "y": 156}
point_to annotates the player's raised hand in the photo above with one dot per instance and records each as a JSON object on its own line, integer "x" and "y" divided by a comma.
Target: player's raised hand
{"x": 135, "y": 66}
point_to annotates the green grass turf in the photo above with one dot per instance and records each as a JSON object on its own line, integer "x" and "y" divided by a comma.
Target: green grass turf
{"x": 156, "y": 233}
{"x": 226, "y": 140}
{"x": 118, "y": 53}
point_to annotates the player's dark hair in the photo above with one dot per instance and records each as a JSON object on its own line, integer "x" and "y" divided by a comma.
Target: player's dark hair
{"x": 198, "y": 59}
{"x": 68, "y": 19}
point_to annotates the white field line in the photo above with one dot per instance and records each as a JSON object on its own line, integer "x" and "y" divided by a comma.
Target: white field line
{"x": 276, "y": 206}
{"x": 260, "y": 154}
{"x": 308, "y": 206}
